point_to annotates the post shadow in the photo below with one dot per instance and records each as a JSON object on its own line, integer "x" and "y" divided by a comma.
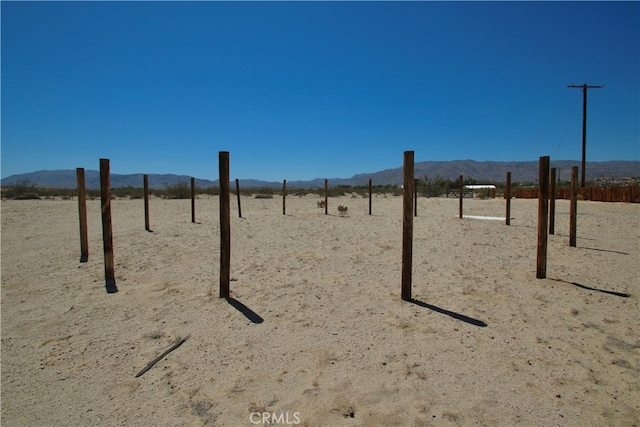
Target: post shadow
{"x": 248, "y": 313}
{"x": 457, "y": 316}
{"x": 604, "y": 291}
{"x": 605, "y": 250}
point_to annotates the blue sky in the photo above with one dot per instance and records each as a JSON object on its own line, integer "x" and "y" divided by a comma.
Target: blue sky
{"x": 303, "y": 90}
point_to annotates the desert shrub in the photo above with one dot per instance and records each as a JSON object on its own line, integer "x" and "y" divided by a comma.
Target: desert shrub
{"x": 264, "y": 196}
{"x": 179, "y": 191}
{"x": 342, "y": 210}
{"x": 320, "y": 203}
{"x": 21, "y": 191}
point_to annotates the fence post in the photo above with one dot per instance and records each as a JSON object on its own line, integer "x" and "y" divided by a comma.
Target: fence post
{"x": 238, "y": 196}
{"x": 407, "y": 225}
{"x": 326, "y": 196}
{"x": 543, "y": 213}
{"x": 107, "y": 230}
{"x": 507, "y": 195}
{"x": 145, "y": 181}
{"x": 460, "y": 195}
{"x": 552, "y": 202}
{"x": 369, "y": 196}
{"x": 225, "y": 225}
{"x": 82, "y": 212}
{"x": 193, "y": 199}
{"x": 415, "y": 197}
{"x": 573, "y": 207}
{"x": 284, "y": 197}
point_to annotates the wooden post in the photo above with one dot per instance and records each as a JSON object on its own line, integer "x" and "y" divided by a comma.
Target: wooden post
{"x": 238, "y": 196}
{"x": 369, "y": 197}
{"x": 543, "y": 213}
{"x": 145, "y": 181}
{"x": 326, "y": 196}
{"x": 193, "y": 199}
{"x": 573, "y": 207}
{"x": 107, "y": 231}
{"x": 82, "y": 212}
{"x": 284, "y": 197}
{"x": 460, "y": 195}
{"x": 552, "y": 202}
{"x": 407, "y": 225}
{"x": 415, "y": 197}
{"x": 507, "y": 195}
{"x": 225, "y": 225}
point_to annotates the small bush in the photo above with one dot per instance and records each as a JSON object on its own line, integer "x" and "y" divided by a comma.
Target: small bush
{"x": 320, "y": 203}
{"x": 264, "y": 196}
{"x": 342, "y": 210}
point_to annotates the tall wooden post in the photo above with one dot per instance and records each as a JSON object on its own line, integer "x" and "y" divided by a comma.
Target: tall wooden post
{"x": 584, "y": 88}
{"x": 507, "y": 195}
{"x": 145, "y": 181}
{"x": 82, "y": 212}
{"x": 552, "y": 202}
{"x": 415, "y": 197}
{"x": 107, "y": 231}
{"x": 326, "y": 196}
{"x": 407, "y": 225}
{"x": 284, "y": 197}
{"x": 238, "y": 196}
{"x": 193, "y": 199}
{"x": 461, "y": 194}
{"x": 543, "y": 213}
{"x": 573, "y": 207}
{"x": 225, "y": 225}
{"x": 369, "y": 196}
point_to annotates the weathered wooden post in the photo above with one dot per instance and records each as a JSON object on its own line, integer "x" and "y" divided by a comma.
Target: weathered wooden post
{"x": 573, "y": 207}
{"x": 284, "y": 197}
{"x": 552, "y": 202}
{"x": 407, "y": 225}
{"x": 369, "y": 196}
{"x": 460, "y": 195}
{"x": 543, "y": 213}
{"x": 326, "y": 197}
{"x": 82, "y": 212}
{"x": 193, "y": 199}
{"x": 415, "y": 197}
{"x": 238, "y": 196}
{"x": 107, "y": 231}
{"x": 507, "y": 195}
{"x": 145, "y": 181}
{"x": 225, "y": 225}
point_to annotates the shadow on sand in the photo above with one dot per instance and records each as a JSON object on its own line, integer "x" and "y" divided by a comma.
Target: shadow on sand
{"x": 457, "y": 316}
{"x": 248, "y": 313}
{"x": 604, "y": 291}
{"x": 606, "y": 250}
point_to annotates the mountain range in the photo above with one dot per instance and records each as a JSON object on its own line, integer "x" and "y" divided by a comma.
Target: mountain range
{"x": 486, "y": 171}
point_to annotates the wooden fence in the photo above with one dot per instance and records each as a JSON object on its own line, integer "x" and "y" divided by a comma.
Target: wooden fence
{"x": 629, "y": 194}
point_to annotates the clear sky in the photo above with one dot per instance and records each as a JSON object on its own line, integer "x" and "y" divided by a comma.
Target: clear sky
{"x": 303, "y": 90}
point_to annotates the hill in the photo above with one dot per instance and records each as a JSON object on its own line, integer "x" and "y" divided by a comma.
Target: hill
{"x": 487, "y": 171}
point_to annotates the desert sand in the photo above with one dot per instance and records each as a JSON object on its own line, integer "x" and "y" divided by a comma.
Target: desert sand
{"x": 316, "y": 332}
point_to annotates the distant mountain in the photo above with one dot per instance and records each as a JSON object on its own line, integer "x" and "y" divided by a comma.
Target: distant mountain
{"x": 67, "y": 179}
{"x": 496, "y": 171}
{"x": 480, "y": 171}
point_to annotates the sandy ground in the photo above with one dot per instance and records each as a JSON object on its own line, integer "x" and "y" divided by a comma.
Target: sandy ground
{"x": 317, "y": 333}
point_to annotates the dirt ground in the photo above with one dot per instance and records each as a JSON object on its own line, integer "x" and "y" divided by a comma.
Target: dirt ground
{"x": 316, "y": 333}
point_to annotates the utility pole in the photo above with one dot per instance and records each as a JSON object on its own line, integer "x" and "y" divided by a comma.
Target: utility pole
{"x": 584, "y": 88}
